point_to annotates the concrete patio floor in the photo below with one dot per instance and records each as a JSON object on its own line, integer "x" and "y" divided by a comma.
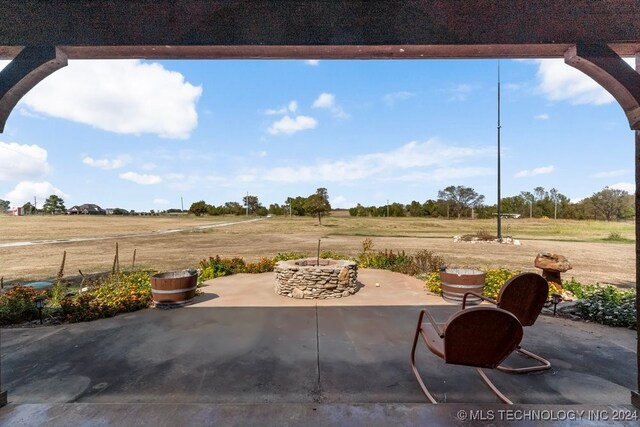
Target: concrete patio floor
{"x": 242, "y": 355}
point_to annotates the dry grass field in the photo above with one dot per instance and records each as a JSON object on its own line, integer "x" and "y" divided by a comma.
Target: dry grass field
{"x": 594, "y": 258}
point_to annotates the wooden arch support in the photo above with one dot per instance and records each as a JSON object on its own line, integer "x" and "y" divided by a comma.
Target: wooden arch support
{"x": 25, "y": 71}
{"x": 602, "y": 64}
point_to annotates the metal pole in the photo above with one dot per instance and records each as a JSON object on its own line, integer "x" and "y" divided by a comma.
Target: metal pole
{"x": 499, "y": 198}
{"x": 247, "y": 203}
{"x": 387, "y": 208}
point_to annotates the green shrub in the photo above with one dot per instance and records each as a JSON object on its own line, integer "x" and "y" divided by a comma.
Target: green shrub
{"x": 117, "y": 293}
{"x": 428, "y": 262}
{"x": 18, "y": 304}
{"x": 607, "y": 305}
{"x": 494, "y": 281}
{"x": 287, "y": 256}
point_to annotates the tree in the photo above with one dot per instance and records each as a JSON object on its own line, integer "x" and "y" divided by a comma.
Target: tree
{"x": 460, "y": 198}
{"x": 4, "y": 206}
{"x": 611, "y": 203}
{"x": 54, "y": 205}
{"x": 198, "y": 208}
{"x": 318, "y": 204}
{"x": 252, "y": 202}
{"x": 28, "y": 209}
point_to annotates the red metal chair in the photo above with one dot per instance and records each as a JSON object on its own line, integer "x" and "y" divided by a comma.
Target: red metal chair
{"x": 481, "y": 337}
{"x": 524, "y": 296}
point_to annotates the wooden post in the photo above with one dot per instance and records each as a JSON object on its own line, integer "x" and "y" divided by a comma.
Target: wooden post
{"x": 635, "y": 394}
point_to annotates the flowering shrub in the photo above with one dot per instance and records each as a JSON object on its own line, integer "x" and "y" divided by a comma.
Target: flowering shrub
{"x": 18, "y": 304}
{"x": 213, "y": 267}
{"x": 494, "y": 281}
{"x": 423, "y": 262}
{"x": 607, "y": 305}
{"x": 118, "y": 293}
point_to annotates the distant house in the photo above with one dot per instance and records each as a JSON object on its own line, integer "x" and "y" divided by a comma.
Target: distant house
{"x": 86, "y": 209}
{"x": 17, "y": 211}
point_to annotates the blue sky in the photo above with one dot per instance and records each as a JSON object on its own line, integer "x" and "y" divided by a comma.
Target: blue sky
{"x": 142, "y": 134}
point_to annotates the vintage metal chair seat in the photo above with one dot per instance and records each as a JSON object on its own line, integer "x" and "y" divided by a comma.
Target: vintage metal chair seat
{"x": 481, "y": 337}
{"x": 523, "y": 295}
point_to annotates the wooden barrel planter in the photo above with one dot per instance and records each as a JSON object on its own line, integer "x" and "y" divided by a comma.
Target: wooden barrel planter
{"x": 458, "y": 281}
{"x": 174, "y": 287}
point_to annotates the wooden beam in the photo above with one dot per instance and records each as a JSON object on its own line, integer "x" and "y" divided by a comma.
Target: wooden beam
{"x": 635, "y": 394}
{"x": 606, "y": 67}
{"x": 24, "y": 72}
{"x": 317, "y": 28}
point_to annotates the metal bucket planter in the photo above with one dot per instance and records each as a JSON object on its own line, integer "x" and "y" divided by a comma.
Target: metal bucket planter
{"x": 174, "y": 287}
{"x": 458, "y": 281}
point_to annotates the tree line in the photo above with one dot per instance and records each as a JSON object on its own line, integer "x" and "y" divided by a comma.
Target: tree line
{"x": 453, "y": 202}
{"x": 460, "y": 201}
{"x": 316, "y": 204}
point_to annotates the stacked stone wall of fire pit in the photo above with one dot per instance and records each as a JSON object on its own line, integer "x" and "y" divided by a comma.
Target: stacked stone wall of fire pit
{"x": 304, "y": 279}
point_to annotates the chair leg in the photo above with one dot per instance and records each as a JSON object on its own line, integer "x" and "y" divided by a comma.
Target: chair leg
{"x": 493, "y": 388}
{"x": 413, "y": 360}
{"x": 544, "y": 364}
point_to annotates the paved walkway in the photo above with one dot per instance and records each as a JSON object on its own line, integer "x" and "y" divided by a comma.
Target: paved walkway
{"x": 242, "y": 353}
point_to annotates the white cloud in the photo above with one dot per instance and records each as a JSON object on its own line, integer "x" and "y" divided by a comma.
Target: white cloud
{"x": 160, "y": 201}
{"x": 142, "y": 179}
{"x": 442, "y": 158}
{"x": 312, "y": 62}
{"x": 610, "y": 174}
{"x": 107, "y": 164}
{"x": 459, "y": 92}
{"x": 22, "y": 162}
{"x": 288, "y": 125}
{"x": 536, "y": 171}
{"x": 392, "y": 98}
{"x": 445, "y": 174}
{"x": 148, "y": 166}
{"x": 629, "y": 187}
{"x": 328, "y": 101}
{"x": 292, "y": 107}
{"x": 340, "y": 202}
{"x": 258, "y": 153}
{"x": 561, "y": 82}
{"x": 325, "y": 100}
{"x": 25, "y": 191}
{"x": 121, "y": 96}
{"x": 543, "y": 116}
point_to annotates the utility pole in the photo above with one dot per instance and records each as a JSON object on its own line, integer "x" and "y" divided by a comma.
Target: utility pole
{"x": 499, "y": 198}
{"x": 387, "y": 208}
{"x": 247, "y": 203}
{"x": 181, "y": 205}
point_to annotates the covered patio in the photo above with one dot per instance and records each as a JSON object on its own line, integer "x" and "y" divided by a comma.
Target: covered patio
{"x": 241, "y": 350}
{"x": 365, "y": 342}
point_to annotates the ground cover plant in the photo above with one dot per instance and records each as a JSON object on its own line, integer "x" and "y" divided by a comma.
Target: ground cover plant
{"x": 105, "y": 296}
{"x": 604, "y": 304}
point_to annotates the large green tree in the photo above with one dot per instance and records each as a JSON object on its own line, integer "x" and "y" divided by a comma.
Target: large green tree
{"x": 4, "y": 206}
{"x": 317, "y": 204}
{"x": 611, "y": 203}
{"x": 199, "y": 208}
{"x": 54, "y": 205}
{"x": 252, "y": 202}
{"x": 460, "y": 199}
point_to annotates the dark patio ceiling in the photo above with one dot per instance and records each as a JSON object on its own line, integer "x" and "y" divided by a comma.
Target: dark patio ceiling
{"x": 317, "y": 29}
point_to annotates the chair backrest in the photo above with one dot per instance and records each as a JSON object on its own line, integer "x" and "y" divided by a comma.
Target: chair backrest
{"x": 481, "y": 336}
{"x": 524, "y": 295}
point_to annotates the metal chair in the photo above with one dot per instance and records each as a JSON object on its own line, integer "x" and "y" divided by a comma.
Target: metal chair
{"x": 523, "y": 295}
{"x": 481, "y": 337}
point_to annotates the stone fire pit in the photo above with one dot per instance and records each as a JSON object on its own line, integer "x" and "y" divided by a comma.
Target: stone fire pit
{"x": 305, "y": 279}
